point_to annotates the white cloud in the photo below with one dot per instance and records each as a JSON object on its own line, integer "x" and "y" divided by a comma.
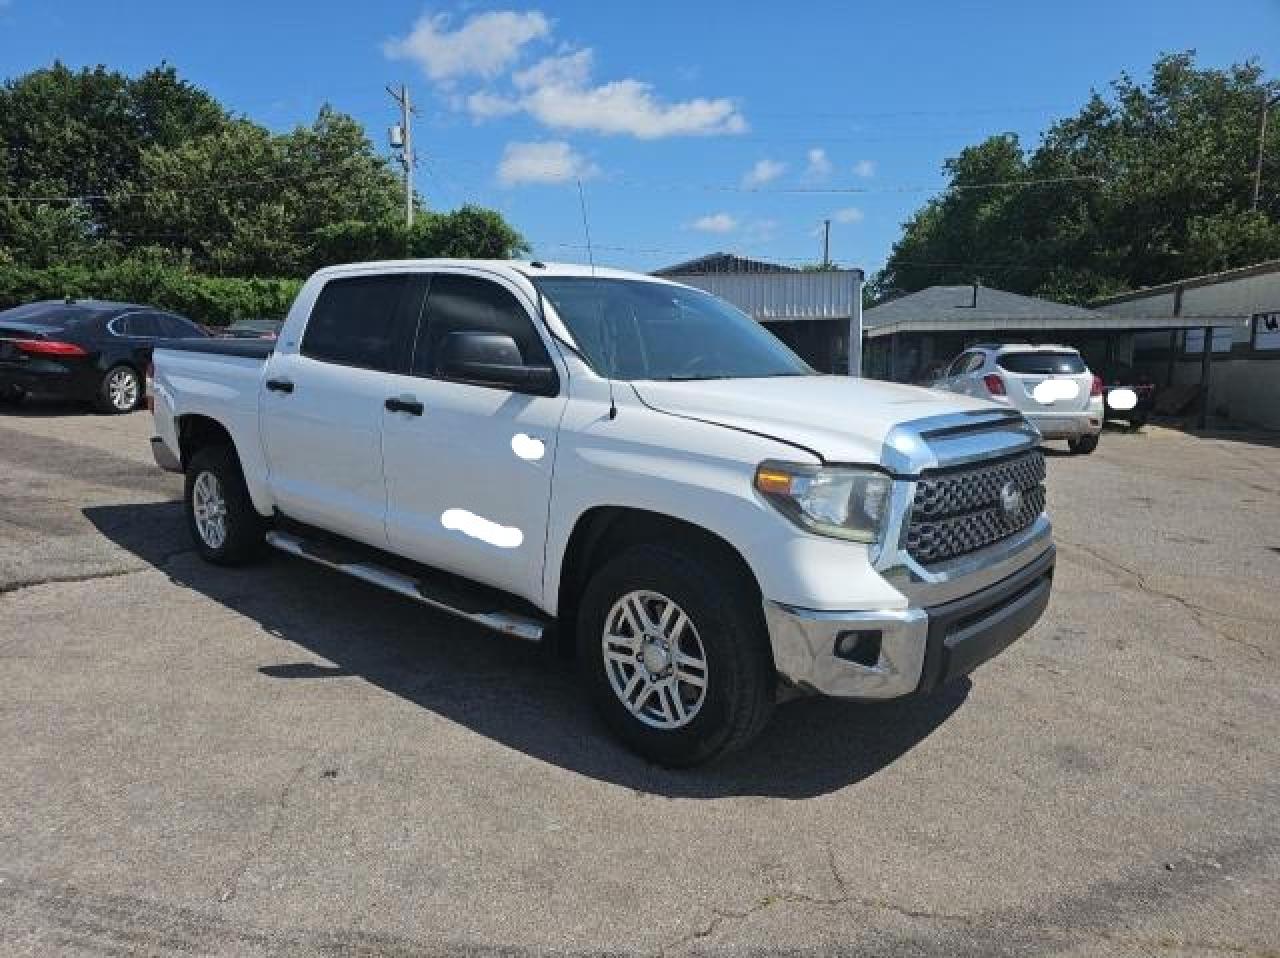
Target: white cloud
{"x": 570, "y": 69}
{"x": 715, "y": 223}
{"x": 557, "y": 91}
{"x": 485, "y": 45}
{"x": 630, "y": 107}
{"x": 487, "y": 106}
{"x": 550, "y": 161}
{"x": 819, "y": 165}
{"x": 763, "y": 172}
{"x": 864, "y": 168}
{"x": 850, "y": 214}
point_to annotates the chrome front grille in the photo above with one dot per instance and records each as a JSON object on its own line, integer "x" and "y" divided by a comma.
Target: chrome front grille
{"x": 956, "y": 511}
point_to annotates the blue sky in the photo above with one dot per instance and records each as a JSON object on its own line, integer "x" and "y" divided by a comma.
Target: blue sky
{"x": 665, "y": 110}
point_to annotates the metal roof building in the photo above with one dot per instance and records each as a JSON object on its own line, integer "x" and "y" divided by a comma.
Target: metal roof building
{"x": 812, "y": 311}
{"x": 909, "y": 338}
{"x": 1244, "y": 359}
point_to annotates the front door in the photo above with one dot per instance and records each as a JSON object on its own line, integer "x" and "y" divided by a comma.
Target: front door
{"x": 469, "y": 474}
{"x": 322, "y": 405}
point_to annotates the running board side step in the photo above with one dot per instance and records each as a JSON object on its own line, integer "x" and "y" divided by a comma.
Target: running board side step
{"x": 420, "y": 590}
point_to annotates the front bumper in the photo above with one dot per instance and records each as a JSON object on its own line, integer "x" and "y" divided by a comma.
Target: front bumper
{"x": 919, "y": 648}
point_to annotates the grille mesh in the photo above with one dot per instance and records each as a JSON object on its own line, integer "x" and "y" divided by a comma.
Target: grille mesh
{"x": 959, "y": 511}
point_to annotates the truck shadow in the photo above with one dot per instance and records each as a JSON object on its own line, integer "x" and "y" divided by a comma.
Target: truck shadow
{"x": 512, "y": 692}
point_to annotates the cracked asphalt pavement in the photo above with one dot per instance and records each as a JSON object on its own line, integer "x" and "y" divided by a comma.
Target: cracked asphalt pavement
{"x": 279, "y": 761}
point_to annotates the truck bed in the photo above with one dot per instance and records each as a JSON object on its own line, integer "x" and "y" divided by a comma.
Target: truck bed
{"x": 243, "y": 348}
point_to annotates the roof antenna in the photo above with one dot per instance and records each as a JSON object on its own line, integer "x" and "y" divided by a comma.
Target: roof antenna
{"x": 586, "y": 227}
{"x": 591, "y": 258}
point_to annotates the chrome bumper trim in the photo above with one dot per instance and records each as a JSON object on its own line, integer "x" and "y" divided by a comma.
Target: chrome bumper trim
{"x": 804, "y": 650}
{"x": 165, "y": 459}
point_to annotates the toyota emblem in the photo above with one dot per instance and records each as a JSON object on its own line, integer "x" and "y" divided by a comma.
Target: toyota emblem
{"x": 1010, "y": 500}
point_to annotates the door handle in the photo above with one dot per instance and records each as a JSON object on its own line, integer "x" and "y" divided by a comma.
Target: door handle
{"x": 411, "y": 406}
{"x": 280, "y": 385}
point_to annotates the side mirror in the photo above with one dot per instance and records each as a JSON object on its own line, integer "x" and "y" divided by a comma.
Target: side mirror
{"x": 492, "y": 359}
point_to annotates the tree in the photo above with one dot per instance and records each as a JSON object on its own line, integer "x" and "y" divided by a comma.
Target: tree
{"x": 153, "y": 169}
{"x": 1150, "y": 185}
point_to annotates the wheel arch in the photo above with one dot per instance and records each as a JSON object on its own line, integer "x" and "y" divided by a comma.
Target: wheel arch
{"x": 603, "y": 531}
{"x": 196, "y": 432}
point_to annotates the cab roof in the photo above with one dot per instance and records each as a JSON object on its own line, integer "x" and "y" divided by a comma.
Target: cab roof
{"x": 525, "y": 269}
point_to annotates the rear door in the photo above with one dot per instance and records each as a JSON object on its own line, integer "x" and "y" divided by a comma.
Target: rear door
{"x": 321, "y": 407}
{"x": 469, "y": 471}
{"x": 1044, "y": 380}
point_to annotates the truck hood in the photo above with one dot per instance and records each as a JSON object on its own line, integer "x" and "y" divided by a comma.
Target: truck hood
{"x": 842, "y": 419}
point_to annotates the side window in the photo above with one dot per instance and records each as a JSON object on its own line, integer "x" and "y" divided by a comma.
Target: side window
{"x": 176, "y": 327}
{"x": 458, "y": 304}
{"x": 138, "y": 325}
{"x": 957, "y": 365}
{"x": 355, "y": 322}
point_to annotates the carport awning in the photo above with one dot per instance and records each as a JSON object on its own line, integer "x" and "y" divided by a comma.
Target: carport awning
{"x": 1006, "y": 324}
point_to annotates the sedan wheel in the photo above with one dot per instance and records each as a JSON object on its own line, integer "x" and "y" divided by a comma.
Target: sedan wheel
{"x": 121, "y": 389}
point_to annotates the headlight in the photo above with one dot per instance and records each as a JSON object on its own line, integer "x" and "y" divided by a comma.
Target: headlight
{"x": 830, "y": 500}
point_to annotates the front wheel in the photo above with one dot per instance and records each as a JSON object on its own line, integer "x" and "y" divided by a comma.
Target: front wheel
{"x": 674, "y": 651}
{"x": 1083, "y": 446}
{"x": 227, "y": 530}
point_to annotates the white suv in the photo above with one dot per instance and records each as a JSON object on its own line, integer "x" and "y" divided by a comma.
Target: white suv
{"x": 1050, "y": 385}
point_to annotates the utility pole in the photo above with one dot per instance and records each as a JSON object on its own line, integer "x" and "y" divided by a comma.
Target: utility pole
{"x": 826, "y": 244}
{"x": 1267, "y": 104}
{"x": 402, "y": 139}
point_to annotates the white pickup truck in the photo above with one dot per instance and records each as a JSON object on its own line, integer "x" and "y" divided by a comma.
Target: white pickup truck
{"x": 708, "y": 524}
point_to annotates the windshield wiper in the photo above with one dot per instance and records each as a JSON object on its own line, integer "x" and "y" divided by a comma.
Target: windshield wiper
{"x": 691, "y": 379}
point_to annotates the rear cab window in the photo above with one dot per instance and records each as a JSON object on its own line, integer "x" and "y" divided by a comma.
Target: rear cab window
{"x": 358, "y": 321}
{"x": 1041, "y": 363}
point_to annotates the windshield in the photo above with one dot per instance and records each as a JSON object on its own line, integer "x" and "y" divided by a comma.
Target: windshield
{"x": 632, "y": 329}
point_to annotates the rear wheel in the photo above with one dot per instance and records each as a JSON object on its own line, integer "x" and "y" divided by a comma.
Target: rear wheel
{"x": 120, "y": 390}
{"x": 674, "y": 652}
{"x": 227, "y": 530}
{"x": 1083, "y": 446}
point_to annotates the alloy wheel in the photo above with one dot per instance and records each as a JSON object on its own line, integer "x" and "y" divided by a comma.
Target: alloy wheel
{"x": 655, "y": 660}
{"x": 122, "y": 388}
{"x": 209, "y": 507}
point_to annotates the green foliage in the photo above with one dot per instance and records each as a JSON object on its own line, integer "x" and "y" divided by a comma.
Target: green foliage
{"x": 1149, "y": 186}
{"x": 213, "y": 300}
{"x": 168, "y": 181}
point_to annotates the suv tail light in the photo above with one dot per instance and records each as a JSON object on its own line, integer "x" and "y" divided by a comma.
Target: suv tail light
{"x": 995, "y": 385}
{"x": 1096, "y": 388}
{"x": 48, "y": 347}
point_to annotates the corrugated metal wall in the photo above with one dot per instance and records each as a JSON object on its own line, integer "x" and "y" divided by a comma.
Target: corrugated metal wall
{"x": 775, "y": 297}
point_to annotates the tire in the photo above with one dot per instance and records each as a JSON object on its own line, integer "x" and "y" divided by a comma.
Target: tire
{"x": 1137, "y": 421}
{"x": 1083, "y": 446}
{"x": 120, "y": 391}
{"x": 215, "y": 484}
{"x": 724, "y": 627}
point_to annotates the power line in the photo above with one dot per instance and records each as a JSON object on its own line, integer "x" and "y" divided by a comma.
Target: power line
{"x": 211, "y": 188}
